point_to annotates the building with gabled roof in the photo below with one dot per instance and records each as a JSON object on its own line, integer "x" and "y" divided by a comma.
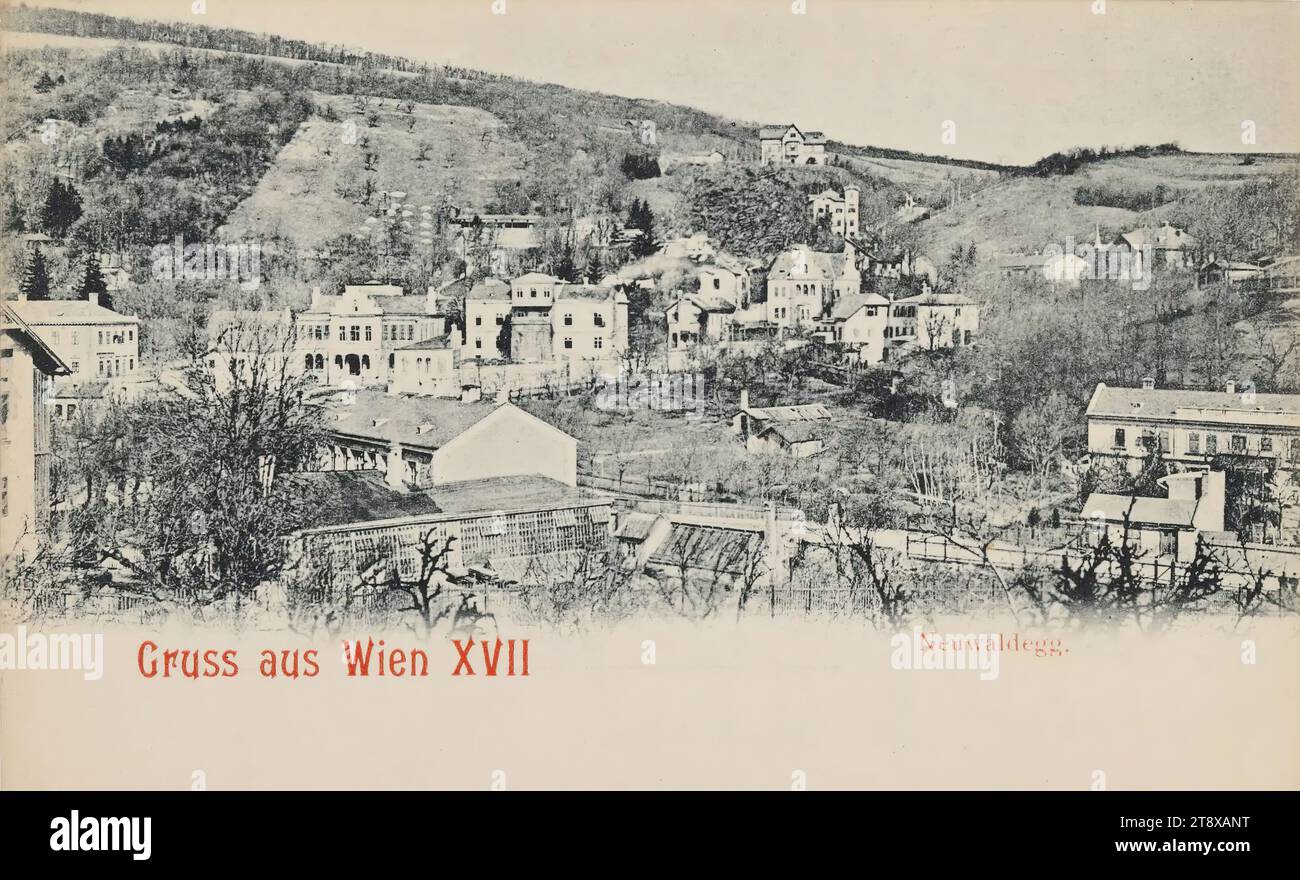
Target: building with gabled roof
{"x": 788, "y": 145}
{"x": 800, "y": 429}
{"x": 417, "y": 442}
{"x": 95, "y": 342}
{"x": 803, "y": 285}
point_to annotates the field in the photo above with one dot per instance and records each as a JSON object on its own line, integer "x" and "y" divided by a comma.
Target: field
{"x": 300, "y": 195}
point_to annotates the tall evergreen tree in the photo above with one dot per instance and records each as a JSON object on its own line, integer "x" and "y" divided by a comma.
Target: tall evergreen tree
{"x": 62, "y": 208}
{"x": 93, "y": 283}
{"x": 35, "y": 283}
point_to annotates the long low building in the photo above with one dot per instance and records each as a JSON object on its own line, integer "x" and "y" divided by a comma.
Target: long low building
{"x": 1192, "y": 427}
{"x": 499, "y": 528}
{"x": 421, "y": 442}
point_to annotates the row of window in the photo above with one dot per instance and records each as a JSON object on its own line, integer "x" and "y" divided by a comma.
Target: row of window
{"x": 355, "y": 332}
{"x": 799, "y": 290}
{"x": 1207, "y": 444}
{"x": 109, "y": 367}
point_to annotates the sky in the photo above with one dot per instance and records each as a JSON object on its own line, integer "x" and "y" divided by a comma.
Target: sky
{"x": 1005, "y": 81}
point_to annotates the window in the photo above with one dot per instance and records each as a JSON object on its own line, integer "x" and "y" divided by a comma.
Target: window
{"x": 4, "y": 408}
{"x": 4, "y": 496}
{"x": 568, "y": 319}
{"x": 54, "y": 337}
{"x": 1238, "y": 443}
{"x": 597, "y": 343}
{"x": 478, "y": 320}
{"x": 1194, "y": 443}
{"x": 533, "y": 292}
{"x": 1295, "y": 448}
{"x": 76, "y": 338}
{"x": 1120, "y": 439}
{"x": 388, "y": 332}
{"x": 1265, "y": 444}
{"x": 599, "y": 319}
{"x": 568, "y": 342}
{"x": 76, "y": 366}
{"x": 354, "y": 334}
{"x": 717, "y": 283}
{"x": 501, "y": 320}
{"x": 100, "y": 338}
{"x": 369, "y": 337}
{"x": 342, "y": 333}
{"x": 478, "y": 343}
{"x": 1211, "y": 444}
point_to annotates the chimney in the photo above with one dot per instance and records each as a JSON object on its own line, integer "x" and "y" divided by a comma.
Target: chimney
{"x": 1230, "y": 387}
{"x": 315, "y": 297}
{"x": 744, "y": 398}
{"x": 431, "y": 300}
{"x": 395, "y": 475}
{"x": 1148, "y": 383}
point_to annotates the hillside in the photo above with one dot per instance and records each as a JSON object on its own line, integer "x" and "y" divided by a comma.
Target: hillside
{"x": 324, "y": 128}
{"x": 1025, "y": 214}
{"x": 436, "y": 154}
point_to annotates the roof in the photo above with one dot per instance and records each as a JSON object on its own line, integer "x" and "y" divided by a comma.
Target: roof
{"x": 422, "y": 422}
{"x": 775, "y": 132}
{"x": 538, "y": 277}
{"x": 586, "y": 291}
{"x": 364, "y": 497}
{"x": 53, "y": 312}
{"x": 437, "y": 343}
{"x": 1167, "y": 237}
{"x": 46, "y": 360}
{"x": 819, "y": 263}
{"x": 384, "y": 303}
{"x": 1170, "y": 403}
{"x": 807, "y": 412}
{"x": 1141, "y": 511}
{"x": 850, "y": 304}
{"x": 710, "y": 303}
{"x": 937, "y": 299}
{"x": 795, "y": 432}
{"x": 636, "y": 526}
{"x": 489, "y": 288}
{"x": 403, "y": 305}
{"x": 713, "y": 549}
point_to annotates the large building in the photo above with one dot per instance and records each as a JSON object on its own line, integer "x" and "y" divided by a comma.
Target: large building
{"x": 500, "y": 484}
{"x": 1192, "y": 427}
{"x": 552, "y": 320}
{"x": 94, "y": 342}
{"x": 419, "y": 442}
{"x": 367, "y": 335}
{"x": 803, "y": 285}
{"x": 27, "y": 368}
{"x": 787, "y": 145}
{"x": 840, "y": 211}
